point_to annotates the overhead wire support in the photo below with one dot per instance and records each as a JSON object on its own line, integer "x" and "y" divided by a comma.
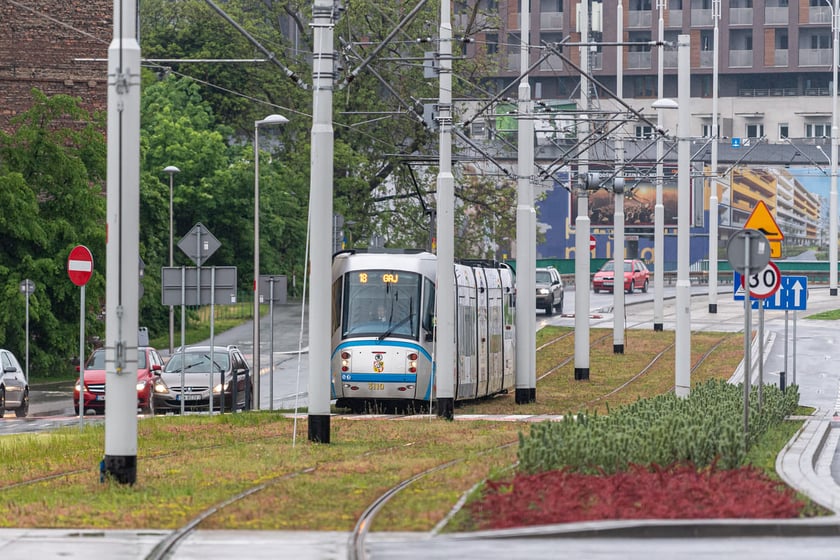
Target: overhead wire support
{"x": 366, "y": 62}
{"x": 270, "y": 55}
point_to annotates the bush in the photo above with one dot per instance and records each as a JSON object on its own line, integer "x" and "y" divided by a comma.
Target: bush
{"x": 702, "y": 429}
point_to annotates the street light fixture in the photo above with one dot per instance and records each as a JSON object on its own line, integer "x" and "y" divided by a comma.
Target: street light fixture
{"x": 172, "y": 170}
{"x": 659, "y": 218}
{"x": 269, "y": 120}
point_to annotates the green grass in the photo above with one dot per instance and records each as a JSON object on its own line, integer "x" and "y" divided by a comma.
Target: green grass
{"x": 831, "y": 315}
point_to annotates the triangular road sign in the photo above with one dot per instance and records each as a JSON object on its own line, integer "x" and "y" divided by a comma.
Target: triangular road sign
{"x": 762, "y": 220}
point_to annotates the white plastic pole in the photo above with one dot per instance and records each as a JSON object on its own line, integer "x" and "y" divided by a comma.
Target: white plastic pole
{"x": 682, "y": 353}
{"x": 321, "y": 210}
{"x": 445, "y": 294}
{"x": 659, "y": 207}
{"x": 122, "y": 282}
{"x": 618, "y": 216}
{"x": 582, "y": 255}
{"x": 526, "y": 262}
{"x": 713, "y": 197}
{"x": 832, "y": 200}
{"x": 82, "y": 357}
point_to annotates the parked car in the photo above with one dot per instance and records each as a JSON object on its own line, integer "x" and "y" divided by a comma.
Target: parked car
{"x": 149, "y": 366}
{"x": 549, "y": 290}
{"x": 231, "y": 378}
{"x": 14, "y": 390}
{"x": 636, "y": 276}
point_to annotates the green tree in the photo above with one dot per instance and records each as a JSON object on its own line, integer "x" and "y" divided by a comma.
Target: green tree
{"x": 52, "y": 169}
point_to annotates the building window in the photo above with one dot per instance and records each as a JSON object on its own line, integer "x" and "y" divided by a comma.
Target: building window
{"x": 755, "y": 130}
{"x": 784, "y": 131}
{"x": 492, "y": 43}
{"x": 707, "y": 130}
{"x": 551, "y": 6}
{"x": 822, "y": 41}
{"x": 644, "y": 86}
{"x": 818, "y": 130}
{"x": 644, "y": 131}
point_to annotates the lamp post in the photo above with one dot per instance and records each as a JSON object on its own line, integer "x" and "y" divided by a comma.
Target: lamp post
{"x": 682, "y": 350}
{"x": 659, "y": 208}
{"x": 172, "y": 170}
{"x": 713, "y": 195}
{"x": 269, "y": 120}
{"x": 659, "y": 219}
{"x": 832, "y": 201}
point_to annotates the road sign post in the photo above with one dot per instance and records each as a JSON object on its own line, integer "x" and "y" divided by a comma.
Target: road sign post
{"x": 27, "y": 287}
{"x": 80, "y": 269}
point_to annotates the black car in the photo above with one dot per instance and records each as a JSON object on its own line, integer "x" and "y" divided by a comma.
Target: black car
{"x": 195, "y": 373}
{"x": 549, "y": 290}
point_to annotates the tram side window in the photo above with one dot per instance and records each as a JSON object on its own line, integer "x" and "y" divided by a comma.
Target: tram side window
{"x": 336, "y": 303}
{"x": 429, "y": 311}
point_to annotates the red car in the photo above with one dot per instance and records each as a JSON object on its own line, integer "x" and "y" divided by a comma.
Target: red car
{"x": 149, "y": 366}
{"x": 636, "y": 276}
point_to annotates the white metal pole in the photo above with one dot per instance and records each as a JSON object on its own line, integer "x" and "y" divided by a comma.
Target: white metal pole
{"x": 618, "y": 191}
{"x": 747, "y": 334}
{"x": 270, "y": 344}
{"x": 445, "y": 295}
{"x": 28, "y": 284}
{"x": 832, "y": 202}
{"x": 682, "y": 355}
{"x": 659, "y": 208}
{"x": 171, "y": 170}
{"x": 525, "y": 247}
{"x": 122, "y": 283}
{"x": 183, "y": 333}
{"x": 256, "y": 352}
{"x": 713, "y": 196}
{"x": 582, "y": 255}
{"x": 321, "y": 210}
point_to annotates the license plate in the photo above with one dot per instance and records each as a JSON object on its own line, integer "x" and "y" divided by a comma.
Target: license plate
{"x": 608, "y": 283}
{"x": 100, "y": 398}
{"x": 190, "y": 397}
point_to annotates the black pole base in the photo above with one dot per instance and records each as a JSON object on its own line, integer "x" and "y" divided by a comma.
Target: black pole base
{"x": 782, "y": 381}
{"x": 832, "y": 291}
{"x": 522, "y": 396}
{"x": 446, "y": 408}
{"x": 581, "y": 374}
{"x": 658, "y": 327}
{"x": 319, "y": 428}
{"x": 532, "y": 394}
{"x": 712, "y": 308}
{"x": 122, "y": 468}
{"x": 618, "y": 349}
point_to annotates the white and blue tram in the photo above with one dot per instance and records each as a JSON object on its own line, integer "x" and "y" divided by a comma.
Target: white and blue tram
{"x": 383, "y": 335}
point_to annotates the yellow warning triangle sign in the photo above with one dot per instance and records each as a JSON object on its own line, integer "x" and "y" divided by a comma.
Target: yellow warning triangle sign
{"x": 762, "y": 220}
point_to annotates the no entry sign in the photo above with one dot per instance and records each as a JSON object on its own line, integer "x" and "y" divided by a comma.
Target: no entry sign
{"x": 80, "y": 265}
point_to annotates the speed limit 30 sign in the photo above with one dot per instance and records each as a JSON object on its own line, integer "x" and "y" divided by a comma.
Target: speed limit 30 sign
{"x": 765, "y": 283}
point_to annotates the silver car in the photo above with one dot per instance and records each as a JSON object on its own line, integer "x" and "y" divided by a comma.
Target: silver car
{"x": 228, "y": 379}
{"x": 14, "y": 390}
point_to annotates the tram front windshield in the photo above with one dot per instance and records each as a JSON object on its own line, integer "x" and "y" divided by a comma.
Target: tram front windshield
{"x": 382, "y": 303}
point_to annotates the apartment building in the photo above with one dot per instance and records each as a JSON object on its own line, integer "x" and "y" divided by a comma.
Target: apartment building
{"x": 774, "y": 66}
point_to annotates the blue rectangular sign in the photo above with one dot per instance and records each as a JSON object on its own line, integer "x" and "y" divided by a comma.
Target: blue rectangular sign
{"x": 792, "y": 294}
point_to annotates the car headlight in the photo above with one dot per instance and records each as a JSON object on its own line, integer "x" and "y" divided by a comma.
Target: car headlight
{"x": 542, "y": 291}
{"x": 141, "y": 385}
{"x": 78, "y": 386}
{"x": 218, "y": 388}
{"x": 160, "y": 386}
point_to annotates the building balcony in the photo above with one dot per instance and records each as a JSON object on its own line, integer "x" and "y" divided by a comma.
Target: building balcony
{"x": 638, "y": 60}
{"x": 780, "y": 57}
{"x": 707, "y": 59}
{"x": 675, "y": 18}
{"x": 776, "y": 15}
{"x": 740, "y": 58}
{"x": 814, "y": 57}
{"x": 740, "y": 16}
{"x": 552, "y": 64}
{"x": 819, "y": 14}
{"x": 639, "y": 18}
{"x": 551, "y": 20}
{"x": 669, "y": 59}
{"x": 701, "y": 17}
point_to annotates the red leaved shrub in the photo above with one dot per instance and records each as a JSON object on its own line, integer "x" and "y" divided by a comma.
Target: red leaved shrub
{"x": 642, "y": 492}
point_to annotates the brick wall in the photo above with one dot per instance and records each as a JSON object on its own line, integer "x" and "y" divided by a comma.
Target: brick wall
{"x": 42, "y": 52}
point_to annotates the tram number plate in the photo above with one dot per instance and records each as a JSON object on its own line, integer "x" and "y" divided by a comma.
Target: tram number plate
{"x": 376, "y": 386}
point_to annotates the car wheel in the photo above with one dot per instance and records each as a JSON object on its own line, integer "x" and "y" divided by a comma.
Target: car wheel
{"x": 150, "y": 407}
{"x": 560, "y": 307}
{"x": 645, "y": 287}
{"x": 549, "y": 309}
{"x": 631, "y": 288}
{"x": 23, "y": 410}
{"x": 2, "y": 402}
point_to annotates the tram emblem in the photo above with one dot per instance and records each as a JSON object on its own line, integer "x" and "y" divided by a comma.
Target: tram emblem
{"x": 378, "y": 363}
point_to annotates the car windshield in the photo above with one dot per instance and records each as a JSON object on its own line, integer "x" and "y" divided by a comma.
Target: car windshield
{"x": 197, "y": 362}
{"x": 97, "y": 361}
{"x": 544, "y": 276}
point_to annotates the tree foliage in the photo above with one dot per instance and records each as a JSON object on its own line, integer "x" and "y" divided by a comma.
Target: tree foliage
{"x": 52, "y": 171}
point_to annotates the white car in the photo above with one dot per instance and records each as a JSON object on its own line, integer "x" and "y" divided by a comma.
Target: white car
{"x": 14, "y": 390}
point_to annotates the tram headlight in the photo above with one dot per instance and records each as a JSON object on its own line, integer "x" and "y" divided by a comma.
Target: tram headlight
{"x": 412, "y": 362}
